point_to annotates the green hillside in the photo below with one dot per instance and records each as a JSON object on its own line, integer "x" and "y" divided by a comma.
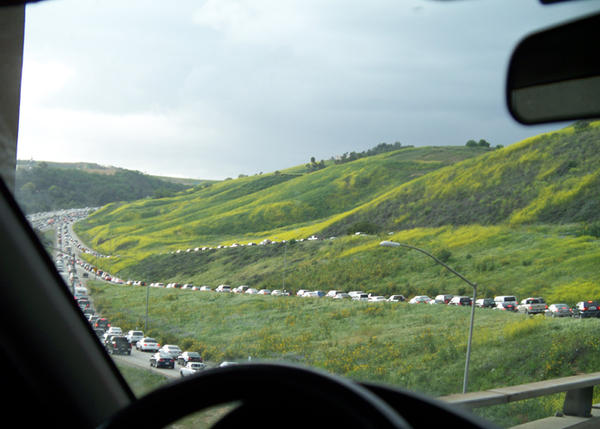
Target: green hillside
{"x": 551, "y": 178}
{"x": 46, "y": 186}
{"x": 249, "y": 208}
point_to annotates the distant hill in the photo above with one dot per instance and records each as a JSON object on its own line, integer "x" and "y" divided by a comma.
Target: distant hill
{"x": 43, "y": 186}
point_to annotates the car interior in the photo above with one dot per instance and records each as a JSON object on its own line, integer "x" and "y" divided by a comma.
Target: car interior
{"x": 54, "y": 364}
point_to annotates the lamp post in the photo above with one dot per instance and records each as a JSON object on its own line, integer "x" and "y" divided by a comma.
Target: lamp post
{"x": 284, "y": 242}
{"x": 473, "y": 285}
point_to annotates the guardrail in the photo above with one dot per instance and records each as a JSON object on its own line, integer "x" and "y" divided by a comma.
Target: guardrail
{"x": 578, "y": 409}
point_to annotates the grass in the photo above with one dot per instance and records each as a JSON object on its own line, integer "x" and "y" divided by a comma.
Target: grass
{"x": 420, "y": 347}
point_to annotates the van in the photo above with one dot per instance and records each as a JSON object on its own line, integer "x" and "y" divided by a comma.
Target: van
{"x": 506, "y": 299}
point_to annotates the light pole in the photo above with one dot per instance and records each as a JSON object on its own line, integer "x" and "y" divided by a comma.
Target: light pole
{"x": 284, "y": 242}
{"x": 473, "y": 285}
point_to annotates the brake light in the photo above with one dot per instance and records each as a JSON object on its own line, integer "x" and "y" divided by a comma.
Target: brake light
{"x": 590, "y": 302}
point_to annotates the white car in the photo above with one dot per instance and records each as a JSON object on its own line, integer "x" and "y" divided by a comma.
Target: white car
{"x": 278, "y": 292}
{"x": 134, "y": 336}
{"x": 359, "y": 296}
{"x": 341, "y": 295}
{"x": 114, "y": 330}
{"x": 331, "y": 293}
{"x": 191, "y": 368}
{"x": 301, "y": 292}
{"x": 147, "y": 344}
{"x": 420, "y": 299}
{"x": 241, "y": 289}
{"x": 396, "y": 298}
{"x": 205, "y": 288}
{"x": 355, "y": 293}
{"x": 223, "y": 288}
{"x": 377, "y": 299}
{"x": 251, "y": 291}
{"x": 172, "y": 350}
{"x": 264, "y": 292}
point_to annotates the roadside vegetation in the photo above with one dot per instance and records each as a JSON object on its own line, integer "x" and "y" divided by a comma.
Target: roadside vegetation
{"x": 419, "y": 347}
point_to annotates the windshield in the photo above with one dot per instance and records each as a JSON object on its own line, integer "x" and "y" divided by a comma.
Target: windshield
{"x": 266, "y": 149}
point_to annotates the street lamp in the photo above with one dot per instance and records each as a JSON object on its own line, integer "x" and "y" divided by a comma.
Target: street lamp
{"x": 473, "y": 285}
{"x": 285, "y": 242}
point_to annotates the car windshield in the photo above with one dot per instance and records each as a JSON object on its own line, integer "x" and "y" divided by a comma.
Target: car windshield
{"x": 280, "y": 145}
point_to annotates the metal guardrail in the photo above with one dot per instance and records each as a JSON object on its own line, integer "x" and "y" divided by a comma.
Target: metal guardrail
{"x": 578, "y": 399}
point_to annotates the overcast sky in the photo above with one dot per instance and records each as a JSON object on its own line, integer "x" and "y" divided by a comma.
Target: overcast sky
{"x": 217, "y": 88}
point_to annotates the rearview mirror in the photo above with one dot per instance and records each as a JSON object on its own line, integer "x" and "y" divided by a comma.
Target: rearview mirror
{"x": 554, "y": 74}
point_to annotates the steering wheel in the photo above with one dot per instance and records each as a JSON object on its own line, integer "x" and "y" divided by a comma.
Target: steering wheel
{"x": 300, "y": 396}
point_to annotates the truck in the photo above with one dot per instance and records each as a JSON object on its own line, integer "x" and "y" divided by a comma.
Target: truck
{"x": 532, "y": 306}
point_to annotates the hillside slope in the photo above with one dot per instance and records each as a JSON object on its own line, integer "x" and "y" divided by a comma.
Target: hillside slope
{"x": 254, "y": 207}
{"x": 551, "y": 178}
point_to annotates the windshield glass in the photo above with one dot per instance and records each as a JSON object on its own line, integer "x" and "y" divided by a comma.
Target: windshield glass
{"x": 202, "y": 168}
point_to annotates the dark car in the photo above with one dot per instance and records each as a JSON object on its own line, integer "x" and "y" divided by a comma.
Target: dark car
{"x": 102, "y": 323}
{"x": 586, "y": 309}
{"x": 485, "y": 303}
{"x": 162, "y": 360}
{"x": 186, "y": 357}
{"x": 117, "y": 345}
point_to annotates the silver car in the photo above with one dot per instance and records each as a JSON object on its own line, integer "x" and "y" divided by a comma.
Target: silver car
{"x": 558, "y": 310}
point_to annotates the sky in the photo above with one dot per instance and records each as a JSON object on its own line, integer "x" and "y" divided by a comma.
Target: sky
{"x": 218, "y": 88}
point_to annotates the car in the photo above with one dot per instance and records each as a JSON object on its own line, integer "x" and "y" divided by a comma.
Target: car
{"x": 331, "y": 293}
{"x": 511, "y": 299}
{"x": 558, "y": 310}
{"x": 505, "y": 306}
{"x": 301, "y": 292}
{"x": 117, "y": 344}
{"x": 84, "y": 369}
{"x": 586, "y": 309}
{"x": 171, "y": 349}
{"x": 377, "y": 299}
{"x": 162, "y": 360}
{"x": 443, "y": 299}
{"x": 460, "y": 300}
{"x": 134, "y": 336}
{"x": 251, "y": 291}
{"x": 264, "y": 292}
{"x": 147, "y": 344}
{"x": 191, "y": 368}
{"x": 186, "y": 357}
{"x": 114, "y": 330}
{"x": 279, "y": 292}
{"x": 420, "y": 299}
{"x": 240, "y": 289}
{"x": 485, "y": 303}
{"x": 341, "y": 295}
{"x": 223, "y": 288}
{"x": 396, "y": 298}
{"x": 360, "y": 297}
{"x": 102, "y": 323}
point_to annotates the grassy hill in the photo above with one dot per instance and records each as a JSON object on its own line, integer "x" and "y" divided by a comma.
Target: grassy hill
{"x": 281, "y": 203}
{"x": 551, "y": 178}
{"x": 45, "y": 186}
